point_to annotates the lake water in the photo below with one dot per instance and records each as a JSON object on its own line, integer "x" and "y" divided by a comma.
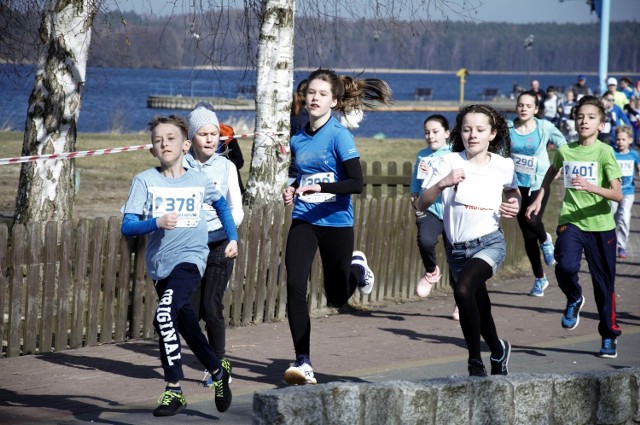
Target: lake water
{"x": 116, "y": 98}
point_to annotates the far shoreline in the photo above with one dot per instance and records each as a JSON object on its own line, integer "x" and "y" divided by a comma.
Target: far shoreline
{"x": 371, "y": 70}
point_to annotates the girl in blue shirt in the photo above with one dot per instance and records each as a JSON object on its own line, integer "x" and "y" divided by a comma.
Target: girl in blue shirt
{"x": 530, "y": 138}
{"x": 328, "y": 172}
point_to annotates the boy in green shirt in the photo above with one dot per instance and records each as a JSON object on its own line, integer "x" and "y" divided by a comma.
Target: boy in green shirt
{"x": 592, "y": 179}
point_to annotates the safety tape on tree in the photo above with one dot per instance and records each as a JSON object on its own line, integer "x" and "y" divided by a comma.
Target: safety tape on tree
{"x": 98, "y": 152}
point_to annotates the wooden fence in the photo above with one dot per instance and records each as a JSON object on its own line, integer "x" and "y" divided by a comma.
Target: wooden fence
{"x": 84, "y": 284}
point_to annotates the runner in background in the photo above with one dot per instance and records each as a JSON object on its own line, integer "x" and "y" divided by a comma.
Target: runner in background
{"x": 629, "y": 162}
{"x": 530, "y": 138}
{"x": 429, "y": 222}
{"x": 204, "y": 133}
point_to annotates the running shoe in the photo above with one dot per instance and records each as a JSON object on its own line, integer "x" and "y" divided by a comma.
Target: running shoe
{"x": 548, "y": 251}
{"x": 221, "y": 390}
{"x": 539, "y": 285}
{"x": 609, "y": 348}
{"x": 622, "y": 253}
{"x": 476, "y": 368}
{"x": 427, "y": 281}
{"x": 300, "y": 372}
{"x": 571, "y": 316}
{"x": 501, "y": 366}
{"x": 456, "y": 313}
{"x": 170, "y": 403}
{"x": 368, "y": 279}
{"x": 207, "y": 379}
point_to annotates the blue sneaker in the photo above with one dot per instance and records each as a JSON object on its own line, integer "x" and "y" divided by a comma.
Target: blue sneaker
{"x": 539, "y": 285}
{"x": 609, "y": 348}
{"x": 571, "y": 316}
{"x": 548, "y": 250}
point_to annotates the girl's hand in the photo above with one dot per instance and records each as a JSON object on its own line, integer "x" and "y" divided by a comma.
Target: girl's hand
{"x": 510, "y": 208}
{"x": 533, "y": 209}
{"x": 453, "y": 178}
{"x": 306, "y": 190}
{"x": 167, "y": 221}
{"x": 231, "y": 251}
{"x": 424, "y": 166}
{"x": 287, "y": 195}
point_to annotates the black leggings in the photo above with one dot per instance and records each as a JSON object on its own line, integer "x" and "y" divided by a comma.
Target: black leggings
{"x": 474, "y": 305}
{"x": 340, "y": 281}
{"x": 533, "y": 231}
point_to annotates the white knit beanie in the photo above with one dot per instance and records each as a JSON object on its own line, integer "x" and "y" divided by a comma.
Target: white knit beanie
{"x": 199, "y": 117}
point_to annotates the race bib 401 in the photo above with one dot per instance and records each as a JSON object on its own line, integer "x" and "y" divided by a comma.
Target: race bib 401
{"x": 587, "y": 170}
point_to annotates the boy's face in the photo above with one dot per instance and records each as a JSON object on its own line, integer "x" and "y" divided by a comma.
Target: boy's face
{"x": 168, "y": 143}
{"x": 623, "y": 141}
{"x": 589, "y": 121}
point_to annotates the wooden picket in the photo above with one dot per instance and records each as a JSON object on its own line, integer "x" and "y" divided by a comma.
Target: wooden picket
{"x": 84, "y": 284}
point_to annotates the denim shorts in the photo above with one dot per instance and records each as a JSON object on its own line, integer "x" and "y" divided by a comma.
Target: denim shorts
{"x": 490, "y": 248}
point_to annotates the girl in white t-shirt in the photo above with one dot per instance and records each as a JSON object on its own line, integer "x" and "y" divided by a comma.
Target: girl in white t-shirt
{"x": 472, "y": 181}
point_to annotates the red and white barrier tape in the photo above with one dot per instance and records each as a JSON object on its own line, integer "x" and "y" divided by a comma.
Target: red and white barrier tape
{"x": 98, "y": 152}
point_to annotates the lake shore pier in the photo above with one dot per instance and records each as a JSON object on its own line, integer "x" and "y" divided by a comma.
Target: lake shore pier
{"x": 501, "y": 104}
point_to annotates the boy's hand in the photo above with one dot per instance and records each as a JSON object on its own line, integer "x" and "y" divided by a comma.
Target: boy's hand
{"x": 231, "y": 251}
{"x": 580, "y": 183}
{"x": 287, "y": 195}
{"x": 167, "y": 221}
{"x": 510, "y": 208}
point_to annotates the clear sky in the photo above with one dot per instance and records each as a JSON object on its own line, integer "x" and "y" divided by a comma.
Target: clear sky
{"x": 515, "y": 11}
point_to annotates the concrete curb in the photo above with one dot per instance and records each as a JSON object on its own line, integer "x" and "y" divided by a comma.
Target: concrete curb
{"x": 582, "y": 398}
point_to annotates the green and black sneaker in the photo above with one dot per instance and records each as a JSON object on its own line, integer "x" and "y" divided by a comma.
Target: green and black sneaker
{"x": 221, "y": 389}
{"x": 171, "y": 403}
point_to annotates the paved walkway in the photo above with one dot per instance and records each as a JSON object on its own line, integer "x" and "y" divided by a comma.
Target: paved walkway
{"x": 120, "y": 383}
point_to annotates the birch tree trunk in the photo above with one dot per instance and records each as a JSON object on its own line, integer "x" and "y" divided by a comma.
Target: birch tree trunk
{"x": 46, "y": 188}
{"x": 274, "y": 83}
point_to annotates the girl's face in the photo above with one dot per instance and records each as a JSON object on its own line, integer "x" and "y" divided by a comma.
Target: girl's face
{"x": 526, "y": 107}
{"x": 435, "y": 134}
{"x": 588, "y": 121}
{"x": 476, "y": 134}
{"x": 205, "y": 142}
{"x": 319, "y": 100}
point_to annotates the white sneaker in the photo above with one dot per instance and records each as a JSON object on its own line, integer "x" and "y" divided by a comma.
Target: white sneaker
{"x": 368, "y": 279}
{"x": 299, "y": 373}
{"x": 456, "y": 313}
{"x": 427, "y": 281}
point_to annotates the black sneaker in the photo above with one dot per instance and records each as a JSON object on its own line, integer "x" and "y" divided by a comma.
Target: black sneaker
{"x": 221, "y": 389}
{"x": 171, "y": 403}
{"x": 501, "y": 367}
{"x": 476, "y": 368}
